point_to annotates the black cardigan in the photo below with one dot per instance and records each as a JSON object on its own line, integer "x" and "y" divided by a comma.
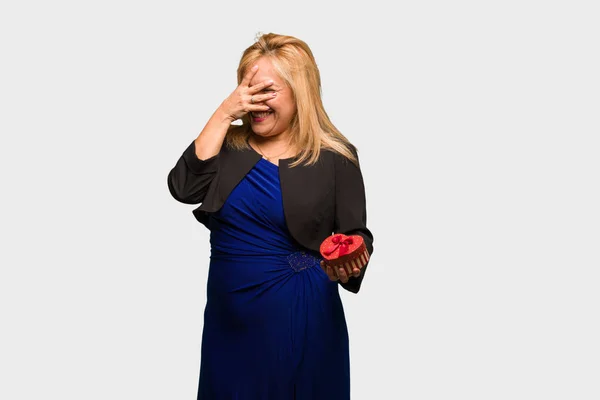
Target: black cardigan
{"x": 318, "y": 200}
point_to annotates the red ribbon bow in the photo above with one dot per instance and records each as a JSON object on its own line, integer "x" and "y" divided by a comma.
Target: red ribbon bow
{"x": 340, "y": 241}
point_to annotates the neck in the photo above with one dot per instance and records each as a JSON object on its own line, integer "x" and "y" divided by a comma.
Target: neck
{"x": 277, "y": 141}
{"x": 272, "y": 147}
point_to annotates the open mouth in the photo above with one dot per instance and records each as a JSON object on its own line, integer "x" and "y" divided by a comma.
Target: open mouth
{"x": 261, "y": 115}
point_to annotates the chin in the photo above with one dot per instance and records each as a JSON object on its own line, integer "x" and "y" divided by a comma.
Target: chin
{"x": 262, "y": 130}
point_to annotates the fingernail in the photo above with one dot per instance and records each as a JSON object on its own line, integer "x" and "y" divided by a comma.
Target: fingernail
{"x": 255, "y": 67}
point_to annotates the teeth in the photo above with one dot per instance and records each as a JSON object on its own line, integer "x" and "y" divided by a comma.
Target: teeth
{"x": 262, "y": 114}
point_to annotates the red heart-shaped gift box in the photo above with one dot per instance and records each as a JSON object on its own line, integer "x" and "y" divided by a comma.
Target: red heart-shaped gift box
{"x": 339, "y": 249}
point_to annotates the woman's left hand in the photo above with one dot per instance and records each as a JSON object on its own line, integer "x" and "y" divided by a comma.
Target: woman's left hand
{"x": 342, "y": 274}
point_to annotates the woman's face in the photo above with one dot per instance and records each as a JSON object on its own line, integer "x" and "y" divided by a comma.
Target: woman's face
{"x": 283, "y": 106}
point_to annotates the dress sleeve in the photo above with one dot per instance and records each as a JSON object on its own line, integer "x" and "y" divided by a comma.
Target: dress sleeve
{"x": 189, "y": 179}
{"x": 350, "y": 210}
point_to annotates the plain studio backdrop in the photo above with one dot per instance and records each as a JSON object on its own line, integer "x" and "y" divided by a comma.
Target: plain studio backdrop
{"x": 477, "y": 126}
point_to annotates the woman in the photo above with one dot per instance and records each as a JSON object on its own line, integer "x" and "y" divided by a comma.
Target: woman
{"x": 272, "y": 189}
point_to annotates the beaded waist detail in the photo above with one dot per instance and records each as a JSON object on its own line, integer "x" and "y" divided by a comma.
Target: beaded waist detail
{"x": 300, "y": 260}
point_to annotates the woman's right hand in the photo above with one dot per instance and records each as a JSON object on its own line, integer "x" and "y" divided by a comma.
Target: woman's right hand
{"x": 238, "y": 103}
{"x": 341, "y": 274}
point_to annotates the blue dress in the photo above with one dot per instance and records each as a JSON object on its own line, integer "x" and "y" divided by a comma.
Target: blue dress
{"x": 274, "y": 325}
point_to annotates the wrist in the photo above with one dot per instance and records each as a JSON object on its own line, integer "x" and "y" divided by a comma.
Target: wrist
{"x": 223, "y": 116}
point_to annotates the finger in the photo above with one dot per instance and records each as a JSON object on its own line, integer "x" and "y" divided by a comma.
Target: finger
{"x": 323, "y": 267}
{"x": 356, "y": 272}
{"x": 348, "y": 269}
{"x": 248, "y": 77}
{"x": 331, "y": 274}
{"x": 260, "y": 86}
{"x": 258, "y": 107}
{"x": 258, "y": 99}
{"x": 264, "y": 97}
{"x": 342, "y": 275}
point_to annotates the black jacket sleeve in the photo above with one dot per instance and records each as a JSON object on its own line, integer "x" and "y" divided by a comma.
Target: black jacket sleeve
{"x": 350, "y": 209}
{"x": 188, "y": 181}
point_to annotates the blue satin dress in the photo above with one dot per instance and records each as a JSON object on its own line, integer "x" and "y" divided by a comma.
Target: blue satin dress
{"x": 274, "y": 324}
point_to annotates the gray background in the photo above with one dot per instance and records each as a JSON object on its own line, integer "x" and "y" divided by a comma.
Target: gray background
{"x": 477, "y": 128}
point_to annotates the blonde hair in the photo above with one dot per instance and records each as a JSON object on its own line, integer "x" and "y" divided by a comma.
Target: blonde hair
{"x": 311, "y": 129}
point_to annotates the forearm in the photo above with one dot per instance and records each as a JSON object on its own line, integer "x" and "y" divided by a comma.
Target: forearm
{"x": 209, "y": 141}
{"x": 188, "y": 181}
{"x": 351, "y": 211}
{"x": 354, "y": 283}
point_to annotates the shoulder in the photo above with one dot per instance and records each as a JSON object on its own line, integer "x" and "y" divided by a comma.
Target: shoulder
{"x": 346, "y": 147}
{"x": 344, "y": 159}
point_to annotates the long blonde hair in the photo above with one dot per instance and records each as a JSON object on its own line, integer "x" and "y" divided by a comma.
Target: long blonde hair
{"x": 311, "y": 129}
